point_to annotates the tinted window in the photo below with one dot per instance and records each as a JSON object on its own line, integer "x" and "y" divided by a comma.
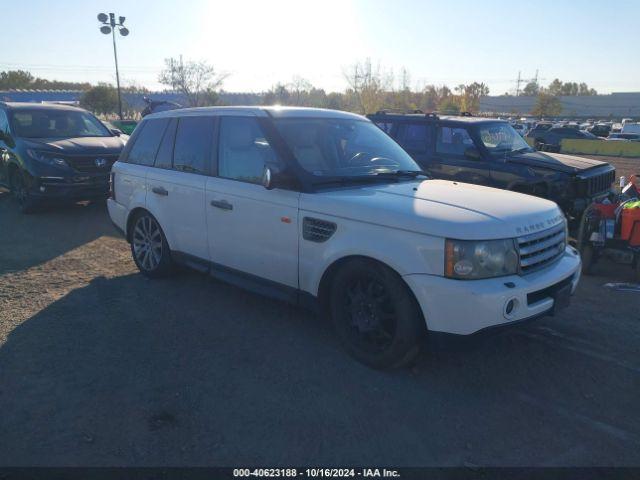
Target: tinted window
{"x": 385, "y": 126}
{"x": 244, "y": 150}
{"x": 54, "y": 123}
{"x": 453, "y": 141}
{"x": 144, "y": 150}
{"x": 164, "y": 158}
{"x": 342, "y": 147}
{"x": 4, "y": 122}
{"x": 192, "y": 150}
{"x": 414, "y": 137}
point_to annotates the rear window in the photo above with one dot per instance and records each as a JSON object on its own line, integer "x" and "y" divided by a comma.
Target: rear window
{"x": 147, "y": 143}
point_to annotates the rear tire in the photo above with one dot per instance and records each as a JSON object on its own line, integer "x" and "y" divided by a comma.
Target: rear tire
{"x": 149, "y": 247}
{"x": 375, "y": 314}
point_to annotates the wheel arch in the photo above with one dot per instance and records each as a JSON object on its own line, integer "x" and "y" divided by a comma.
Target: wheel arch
{"x": 334, "y": 267}
{"x": 131, "y": 217}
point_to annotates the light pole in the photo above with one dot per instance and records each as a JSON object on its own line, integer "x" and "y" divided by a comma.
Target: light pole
{"x": 109, "y": 26}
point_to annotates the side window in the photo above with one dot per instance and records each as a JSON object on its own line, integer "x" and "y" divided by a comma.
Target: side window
{"x": 192, "y": 150}
{"x": 453, "y": 141}
{"x": 243, "y": 151}
{"x": 414, "y": 137}
{"x": 146, "y": 145}
{"x": 164, "y": 158}
{"x": 384, "y": 126}
{"x": 4, "y": 122}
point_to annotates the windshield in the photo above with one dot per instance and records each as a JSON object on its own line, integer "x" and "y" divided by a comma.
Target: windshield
{"x": 328, "y": 147}
{"x": 50, "y": 123}
{"x": 501, "y": 138}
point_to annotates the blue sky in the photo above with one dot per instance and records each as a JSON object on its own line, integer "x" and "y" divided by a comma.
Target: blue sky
{"x": 261, "y": 42}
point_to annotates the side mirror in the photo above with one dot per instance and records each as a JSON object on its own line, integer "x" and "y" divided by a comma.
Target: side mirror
{"x": 116, "y": 131}
{"x": 472, "y": 153}
{"x": 6, "y": 138}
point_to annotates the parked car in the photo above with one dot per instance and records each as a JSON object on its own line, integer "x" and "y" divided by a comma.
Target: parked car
{"x": 155, "y": 106}
{"x": 630, "y": 137}
{"x": 520, "y": 128}
{"x": 541, "y": 127}
{"x": 600, "y": 130}
{"x": 630, "y": 127}
{"x": 322, "y": 208}
{"x": 549, "y": 140}
{"x": 489, "y": 152}
{"x": 55, "y": 153}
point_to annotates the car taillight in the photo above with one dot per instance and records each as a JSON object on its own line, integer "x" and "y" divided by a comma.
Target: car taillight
{"x": 112, "y": 186}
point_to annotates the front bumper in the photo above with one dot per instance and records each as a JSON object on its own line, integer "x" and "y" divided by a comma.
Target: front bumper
{"x": 78, "y": 187}
{"x": 464, "y": 307}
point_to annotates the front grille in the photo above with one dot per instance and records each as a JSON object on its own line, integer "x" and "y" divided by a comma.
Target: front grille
{"x": 542, "y": 248}
{"x": 87, "y": 164}
{"x": 316, "y": 230}
{"x": 592, "y": 186}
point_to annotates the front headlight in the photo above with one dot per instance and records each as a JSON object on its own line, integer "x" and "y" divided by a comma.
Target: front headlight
{"x": 472, "y": 259}
{"x": 46, "y": 158}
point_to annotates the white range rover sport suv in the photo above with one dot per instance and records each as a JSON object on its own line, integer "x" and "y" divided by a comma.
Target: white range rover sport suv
{"x": 321, "y": 206}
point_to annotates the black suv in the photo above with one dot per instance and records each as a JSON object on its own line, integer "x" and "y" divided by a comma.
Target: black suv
{"x": 490, "y": 152}
{"x": 55, "y": 152}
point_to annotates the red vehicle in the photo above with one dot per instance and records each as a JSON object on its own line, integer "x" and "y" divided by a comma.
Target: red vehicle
{"x": 612, "y": 226}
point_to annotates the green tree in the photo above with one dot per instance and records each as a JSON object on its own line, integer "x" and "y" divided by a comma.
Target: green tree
{"x": 15, "y": 79}
{"x": 531, "y": 89}
{"x": 449, "y": 105}
{"x": 101, "y": 99}
{"x": 547, "y": 105}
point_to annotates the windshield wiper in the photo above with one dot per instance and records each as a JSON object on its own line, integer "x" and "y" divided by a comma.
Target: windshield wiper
{"x": 403, "y": 173}
{"x": 522, "y": 150}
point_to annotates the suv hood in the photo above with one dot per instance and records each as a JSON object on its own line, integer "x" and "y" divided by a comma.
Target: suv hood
{"x": 440, "y": 208}
{"x": 555, "y": 161}
{"x": 78, "y": 145}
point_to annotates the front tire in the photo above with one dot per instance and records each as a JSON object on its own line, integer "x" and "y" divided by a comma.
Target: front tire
{"x": 20, "y": 192}
{"x": 149, "y": 247}
{"x": 375, "y": 314}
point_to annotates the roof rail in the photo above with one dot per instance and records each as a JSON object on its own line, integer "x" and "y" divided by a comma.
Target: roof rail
{"x": 398, "y": 111}
{"x": 465, "y": 114}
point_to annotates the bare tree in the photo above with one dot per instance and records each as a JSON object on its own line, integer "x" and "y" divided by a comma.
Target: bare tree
{"x": 369, "y": 85}
{"x": 299, "y": 87}
{"x": 197, "y": 81}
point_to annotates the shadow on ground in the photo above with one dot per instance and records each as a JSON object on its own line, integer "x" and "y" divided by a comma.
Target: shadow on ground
{"x": 188, "y": 371}
{"x": 28, "y": 240}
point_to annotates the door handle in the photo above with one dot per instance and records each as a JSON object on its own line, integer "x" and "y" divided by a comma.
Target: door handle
{"x": 160, "y": 191}
{"x": 222, "y": 204}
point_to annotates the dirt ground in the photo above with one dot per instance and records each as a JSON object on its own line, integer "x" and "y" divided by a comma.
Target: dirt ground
{"x": 100, "y": 366}
{"x": 624, "y": 166}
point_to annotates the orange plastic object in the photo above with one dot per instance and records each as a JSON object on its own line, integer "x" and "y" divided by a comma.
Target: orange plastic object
{"x": 606, "y": 211}
{"x": 630, "y": 228}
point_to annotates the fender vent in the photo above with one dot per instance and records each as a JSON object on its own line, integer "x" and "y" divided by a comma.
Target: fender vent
{"x": 316, "y": 230}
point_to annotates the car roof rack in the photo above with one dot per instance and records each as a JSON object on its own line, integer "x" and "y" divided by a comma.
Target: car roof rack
{"x": 393, "y": 111}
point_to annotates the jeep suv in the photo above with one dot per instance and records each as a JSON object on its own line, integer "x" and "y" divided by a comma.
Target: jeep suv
{"x": 320, "y": 207}
{"x": 490, "y": 152}
{"x": 55, "y": 153}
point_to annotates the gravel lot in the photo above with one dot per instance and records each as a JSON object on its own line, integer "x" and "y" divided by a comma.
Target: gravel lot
{"x": 100, "y": 366}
